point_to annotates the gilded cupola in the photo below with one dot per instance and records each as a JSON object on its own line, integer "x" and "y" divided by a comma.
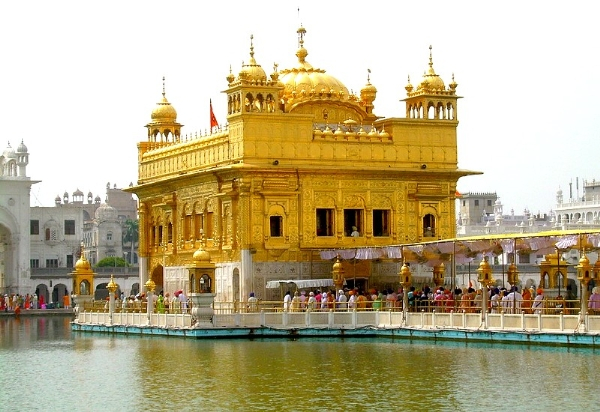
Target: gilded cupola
{"x": 252, "y": 72}
{"x": 82, "y": 264}
{"x": 368, "y": 94}
{"x": 431, "y": 81}
{"x": 164, "y": 112}
{"x": 163, "y": 127}
{"x": 304, "y": 82}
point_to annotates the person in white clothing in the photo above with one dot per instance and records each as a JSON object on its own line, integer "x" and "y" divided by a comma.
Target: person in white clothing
{"x": 538, "y": 302}
{"x": 287, "y": 301}
{"x": 514, "y": 299}
{"x": 312, "y": 302}
{"x": 351, "y": 300}
{"x": 342, "y": 300}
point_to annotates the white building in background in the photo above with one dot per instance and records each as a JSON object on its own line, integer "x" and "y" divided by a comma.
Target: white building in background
{"x": 483, "y": 214}
{"x": 580, "y": 210}
{"x": 15, "y": 189}
{"x": 39, "y": 246}
{"x": 58, "y": 232}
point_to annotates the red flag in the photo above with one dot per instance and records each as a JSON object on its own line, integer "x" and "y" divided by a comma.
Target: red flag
{"x": 213, "y": 119}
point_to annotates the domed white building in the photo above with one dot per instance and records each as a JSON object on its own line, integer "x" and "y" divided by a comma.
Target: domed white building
{"x": 15, "y": 187}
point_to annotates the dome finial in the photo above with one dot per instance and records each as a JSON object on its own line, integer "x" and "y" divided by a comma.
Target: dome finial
{"x": 163, "y": 92}
{"x": 251, "y": 46}
{"x": 368, "y": 76}
{"x": 430, "y": 57}
{"x": 301, "y": 32}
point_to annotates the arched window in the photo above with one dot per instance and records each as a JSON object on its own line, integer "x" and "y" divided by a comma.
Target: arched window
{"x": 205, "y": 284}
{"x": 84, "y": 287}
{"x": 429, "y": 226}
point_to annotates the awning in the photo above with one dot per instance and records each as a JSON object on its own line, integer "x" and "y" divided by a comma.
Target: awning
{"x": 301, "y": 283}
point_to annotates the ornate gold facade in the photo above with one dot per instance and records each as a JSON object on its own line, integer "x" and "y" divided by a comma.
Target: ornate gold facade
{"x": 301, "y": 164}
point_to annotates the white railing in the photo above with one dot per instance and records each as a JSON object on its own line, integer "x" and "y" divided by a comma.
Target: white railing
{"x": 355, "y": 319}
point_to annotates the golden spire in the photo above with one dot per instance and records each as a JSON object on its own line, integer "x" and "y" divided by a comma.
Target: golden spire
{"x": 252, "y": 61}
{"x": 431, "y": 71}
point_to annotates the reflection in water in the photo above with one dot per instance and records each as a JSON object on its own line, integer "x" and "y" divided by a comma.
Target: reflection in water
{"x": 89, "y": 370}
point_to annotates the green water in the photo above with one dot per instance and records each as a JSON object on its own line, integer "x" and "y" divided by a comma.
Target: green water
{"x": 43, "y": 366}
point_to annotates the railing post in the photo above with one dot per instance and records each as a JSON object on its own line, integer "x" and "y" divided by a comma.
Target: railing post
{"x": 330, "y": 318}
{"x": 354, "y": 318}
{"x": 561, "y": 321}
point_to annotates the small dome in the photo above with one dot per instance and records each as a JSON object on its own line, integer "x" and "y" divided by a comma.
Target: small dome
{"x": 431, "y": 81}
{"x": 373, "y": 132}
{"x": 106, "y": 212}
{"x": 77, "y": 193}
{"x": 409, "y": 87}
{"x": 368, "y": 92}
{"x": 383, "y": 133}
{"x": 82, "y": 264}
{"x": 252, "y": 72}
{"x": 9, "y": 152}
{"x": 22, "y": 148}
{"x": 201, "y": 255}
{"x": 164, "y": 112}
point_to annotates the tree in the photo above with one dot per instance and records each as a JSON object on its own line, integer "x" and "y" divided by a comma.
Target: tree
{"x": 131, "y": 236}
{"x": 112, "y": 261}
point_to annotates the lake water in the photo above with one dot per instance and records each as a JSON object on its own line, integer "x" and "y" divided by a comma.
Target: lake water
{"x": 44, "y": 366}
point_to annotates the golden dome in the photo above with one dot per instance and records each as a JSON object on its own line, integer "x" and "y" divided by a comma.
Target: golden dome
{"x": 252, "y": 72}
{"x": 383, "y": 133}
{"x": 201, "y": 255}
{"x": 409, "y": 87}
{"x": 310, "y": 83}
{"x": 584, "y": 261}
{"x": 431, "y": 81}
{"x": 82, "y": 264}
{"x": 337, "y": 266}
{"x": 369, "y": 92}
{"x": 164, "y": 112}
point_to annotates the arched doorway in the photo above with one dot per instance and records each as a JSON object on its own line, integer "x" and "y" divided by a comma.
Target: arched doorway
{"x": 58, "y": 293}
{"x": 42, "y": 293}
{"x": 157, "y": 276}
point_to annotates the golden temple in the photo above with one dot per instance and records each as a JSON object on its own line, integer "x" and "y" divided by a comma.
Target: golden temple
{"x": 302, "y": 165}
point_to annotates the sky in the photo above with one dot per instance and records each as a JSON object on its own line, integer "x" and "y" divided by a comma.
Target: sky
{"x": 80, "y": 79}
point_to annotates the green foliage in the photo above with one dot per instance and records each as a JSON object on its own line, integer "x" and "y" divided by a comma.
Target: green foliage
{"x": 112, "y": 261}
{"x": 131, "y": 232}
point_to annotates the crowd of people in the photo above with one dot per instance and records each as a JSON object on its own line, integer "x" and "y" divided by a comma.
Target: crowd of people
{"x": 16, "y": 302}
{"x": 178, "y": 302}
{"x": 440, "y": 299}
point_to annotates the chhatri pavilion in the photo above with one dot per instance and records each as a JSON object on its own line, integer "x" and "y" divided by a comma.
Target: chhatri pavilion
{"x": 302, "y": 166}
